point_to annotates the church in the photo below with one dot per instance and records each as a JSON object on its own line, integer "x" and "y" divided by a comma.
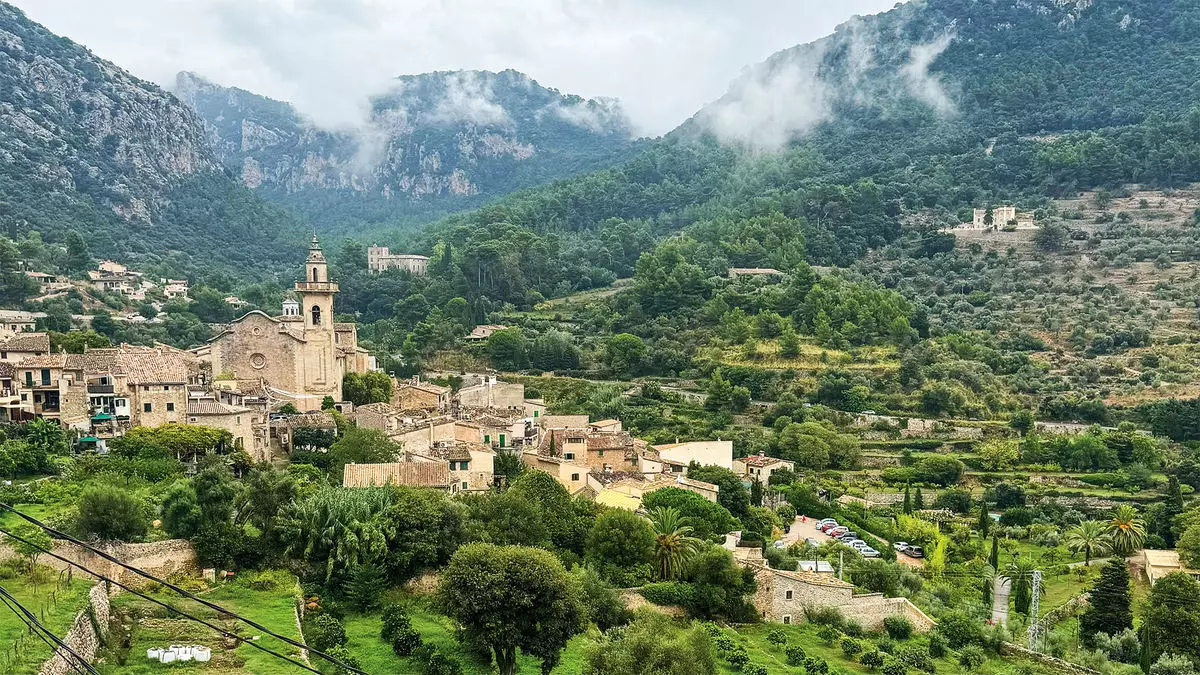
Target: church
{"x": 298, "y": 357}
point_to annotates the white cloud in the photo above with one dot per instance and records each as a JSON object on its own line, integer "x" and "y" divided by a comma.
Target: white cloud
{"x": 922, "y": 85}
{"x": 468, "y": 98}
{"x": 598, "y": 115}
{"x": 664, "y": 59}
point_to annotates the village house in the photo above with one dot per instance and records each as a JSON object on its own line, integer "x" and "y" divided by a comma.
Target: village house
{"x": 421, "y": 434}
{"x": 48, "y": 283}
{"x": 239, "y": 421}
{"x": 481, "y": 333}
{"x": 10, "y": 396}
{"x": 299, "y": 357}
{"x": 418, "y": 395}
{"x": 735, "y": 272}
{"x": 623, "y": 489}
{"x": 1159, "y": 564}
{"x": 52, "y": 387}
{"x": 781, "y": 596}
{"x": 675, "y": 457}
{"x": 571, "y": 474}
{"x": 113, "y": 282}
{"x": 177, "y": 289}
{"x": 471, "y": 465}
{"x": 17, "y": 347}
{"x": 416, "y": 473}
{"x": 379, "y": 259}
{"x": 1002, "y": 217}
{"x": 600, "y": 451}
{"x": 758, "y": 468}
{"x": 16, "y": 321}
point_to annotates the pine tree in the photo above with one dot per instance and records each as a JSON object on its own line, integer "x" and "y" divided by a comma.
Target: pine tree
{"x": 919, "y": 500}
{"x": 908, "y": 499}
{"x": 789, "y": 344}
{"x": 985, "y": 520}
{"x": 1108, "y": 610}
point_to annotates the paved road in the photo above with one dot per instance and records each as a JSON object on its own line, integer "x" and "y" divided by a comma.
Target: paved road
{"x": 808, "y": 530}
{"x": 1000, "y": 589}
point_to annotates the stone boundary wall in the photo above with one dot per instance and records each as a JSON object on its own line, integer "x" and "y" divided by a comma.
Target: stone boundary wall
{"x": 85, "y": 636}
{"x": 160, "y": 558}
{"x": 1057, "y": 664}
{"x": 872, "y": 608}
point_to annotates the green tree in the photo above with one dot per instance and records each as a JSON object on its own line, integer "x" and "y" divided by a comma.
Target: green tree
{"x": 364, "y": 388}
{"x": 1172, "y": 617}
{"x": 363, "y": 446}
{"x": 732, "y": 492}
{"x": 335, "y": 529}
{"x": 621, "y": 547}
{"x": 110, "y": 513}
{"x": 79, "y": 258}
{"x": 984, "y": 523}
{"x": 1089, "y": 537}
{"x": 510, "y": 598}
{"x": 674, "y": 544}
{"x": 508, "y": 349}
{"x": 1019, "y": 573}
{"x": 1109, "y": 608}
{"x": 907, "y": 509}
{"x": 29, "y": 542}
{"x": 366, "y": 587}
{"x": 215, "y": 493}
{"x": 624, "y": 354}
{"x": 424, "y": 528}
{"x": 654, "y": 644}
{"x": 997, "y": 454}
{"x": 181, "y": 516}
{"x": 1022, "y": 421}
{"x": 1189, "y": 547}
{"x": 789, "y": 343}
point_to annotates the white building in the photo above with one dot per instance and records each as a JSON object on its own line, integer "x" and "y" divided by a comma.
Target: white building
{"x": 379, "y": 258}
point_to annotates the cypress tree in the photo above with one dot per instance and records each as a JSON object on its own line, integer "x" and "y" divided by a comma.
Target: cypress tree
{"x": 1174, "y": 507}
{"x": 908, "y": 498}
{"x": 985, "y": 520}
{"x": 994, "y": 558}
{"x": 1108, "y": 611}
{"x": 918, "y": 500}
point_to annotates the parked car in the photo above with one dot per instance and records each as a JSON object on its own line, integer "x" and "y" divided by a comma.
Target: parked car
{"x": 900, "y": 545}
{"x": 826, "y": 520}
{"x": 855, "y": 543}
{"x": 914, "y": 552}
{"x": 780, "y": 544}
{"x": 837, "y": 531}
{"x": 868, "y": 552}
{"x": 812, "y": 542}
{"x": 826, "y": 527}
{"x": 848, "y": 534}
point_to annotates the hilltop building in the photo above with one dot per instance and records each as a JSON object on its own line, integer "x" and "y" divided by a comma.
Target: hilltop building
{"x": 1002, "y": 216}
{"x": 379, "y": 258}
{"x": 299, "y": 357}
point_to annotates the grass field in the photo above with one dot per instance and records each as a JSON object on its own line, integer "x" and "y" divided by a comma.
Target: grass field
{"x": 154, "y": 626}
{"x": 55, "y": 601}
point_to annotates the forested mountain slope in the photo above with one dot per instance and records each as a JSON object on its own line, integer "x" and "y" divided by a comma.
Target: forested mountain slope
{"x": 930, "y": 108}
{"x": 86, "y": 146}
{"x": 434, "y": 143}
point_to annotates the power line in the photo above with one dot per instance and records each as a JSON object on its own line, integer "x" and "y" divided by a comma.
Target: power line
{"x": 41, "y": 631}
{"x": 180, "y": 591}
{"x": 165, "y": 605}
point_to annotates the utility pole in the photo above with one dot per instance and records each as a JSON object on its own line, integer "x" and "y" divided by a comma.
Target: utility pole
{"x": 841, "y": 556}
{"x": 1032, "y": 634}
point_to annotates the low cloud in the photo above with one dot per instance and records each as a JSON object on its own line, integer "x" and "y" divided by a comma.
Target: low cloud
{"x": 468, "y": 97}
{"x": 919, "y": 82}
{"x": 602, "y": 115}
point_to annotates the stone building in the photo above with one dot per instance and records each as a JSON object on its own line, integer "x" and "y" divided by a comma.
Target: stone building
{"x": 781, "y": 596}
{"x": 300, "y": 356}
{"x": 379, "y": 258}
{"x": 471, "y": 465}
{"x": 758, "y": 468}
{"x": 675, "y": 457}
{"x": 418, "y": 395}
{"x": 419, "y": 473}
{"x": 237, "y": 420}
{"x": 17, "y": 347}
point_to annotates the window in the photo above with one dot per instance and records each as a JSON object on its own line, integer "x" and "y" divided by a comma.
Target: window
{"x": 3, "y": 355}
{"x": 568, "y": 455}
{"x": 29, "y": 378}
{"x": 166, "y": 387}
{"x": 316, "y": 315}
{"x": 788, "y": 595}
{"x": 487, "y": 438}
{"x": 315, "y": 274}
{"x": 147, "y": 407}
{"x": 601, "y": 452}
{"x": 237, "y": 420}
{"x": 787, "y": 619}
{"x": 45, "y": 376}
{"x": 574, "y": 476}
{"x": 462, "y": 466}
{"x": 464, "y": 485}
{"x": 170, "y": 407}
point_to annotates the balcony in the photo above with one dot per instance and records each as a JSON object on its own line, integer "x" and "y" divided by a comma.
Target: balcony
{"x": 317, "y": 286}
{"x": 100, "y": 388}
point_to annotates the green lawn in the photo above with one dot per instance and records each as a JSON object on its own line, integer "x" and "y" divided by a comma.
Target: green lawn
{"x": 55, "y": 601}
{"x": 153, "y": 626}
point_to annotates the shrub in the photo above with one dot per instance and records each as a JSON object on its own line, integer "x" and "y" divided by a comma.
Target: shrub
{"x": 898, "y": 627}
{"x": 815, "y": 665}
{"x": 853, "y": 628}
{"x": 894, "y": 667}
{"x": 754, "y": 669}
{"x": 777, "y": 637}
{"x": 917, "y": 658}
{"x": 886, "y": 645}
{"x": 108, "y": 512}
{"x": 824, "y": 616}
{"x": 872, "y": 659}
{"x": 342, "y": 654}
{"x": 324, "y": 632}
{"x": 1172, "y": 664}
{"x": 851, "y": 647}
{"x": 971, "y": 657}
{"x": 737, "y": 657}
{"x": 795, "y": 655}
{"x": 829, "y": 634}
{"x": 398, "y": 631}
{"x": 433, "y": 662}
{"x": 959, "y": 630}
{"x": 668, "y": 593}
{"x": 937, "y": 645}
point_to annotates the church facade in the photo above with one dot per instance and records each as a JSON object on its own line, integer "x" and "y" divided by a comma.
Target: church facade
{"x": 298, "y": 357}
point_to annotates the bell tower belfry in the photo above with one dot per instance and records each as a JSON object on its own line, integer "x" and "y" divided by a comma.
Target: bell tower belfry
{"x": 316, "y": 291}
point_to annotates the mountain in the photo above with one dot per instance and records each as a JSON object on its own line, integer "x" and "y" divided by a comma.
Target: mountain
{"x": 87, "y": 147}
{"x": 901, "y": 120}
{"x": 433, "y": 143}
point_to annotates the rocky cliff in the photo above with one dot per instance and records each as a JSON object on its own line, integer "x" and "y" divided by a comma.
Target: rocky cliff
{"x": 432, "y": 143}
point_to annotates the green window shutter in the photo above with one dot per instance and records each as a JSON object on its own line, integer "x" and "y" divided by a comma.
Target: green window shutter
{"x": 502, "y": 440}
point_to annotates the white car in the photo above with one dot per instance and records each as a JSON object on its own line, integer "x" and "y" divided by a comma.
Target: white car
{"x": 868, "y": 552}
{"x": 779, "y": 544}
{"x": 900, "y": 545}
{"x": 857, "y": 543}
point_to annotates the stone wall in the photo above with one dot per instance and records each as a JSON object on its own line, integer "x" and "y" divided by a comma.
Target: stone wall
{"x": 1055, "y": 664}
{"x": 781, "y": 596}
{"x": 160, "y": 558}
{"x": 84, "y": 637}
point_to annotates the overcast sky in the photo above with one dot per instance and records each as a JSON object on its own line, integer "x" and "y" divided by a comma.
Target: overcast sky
{"x": 663, "y": 58}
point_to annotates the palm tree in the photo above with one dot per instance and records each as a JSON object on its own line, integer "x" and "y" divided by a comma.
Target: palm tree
{"x": 1126, "y": 530}
{"x": 674, "y": 544}
{"x": 1091, "y": 537}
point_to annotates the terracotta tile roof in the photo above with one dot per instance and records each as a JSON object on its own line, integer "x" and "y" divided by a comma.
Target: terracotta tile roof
{"x": 153, "y": 368}
{"x": 45, "y": 361}
{"x": 378, "y": 408}
{"x": 610, "y": 477}
{"x": 27, "y": 342}
{"x": 312, "y": 420}
{"x": 761, "y": 460}
{"x": 423, "y": 474}
{"x": 452, "y": 452}
{"x": 609, "y": 441}
{"x": 208, "y": 406}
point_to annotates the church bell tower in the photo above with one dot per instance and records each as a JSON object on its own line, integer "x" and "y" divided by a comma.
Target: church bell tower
{"x": 316, "y": 291}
